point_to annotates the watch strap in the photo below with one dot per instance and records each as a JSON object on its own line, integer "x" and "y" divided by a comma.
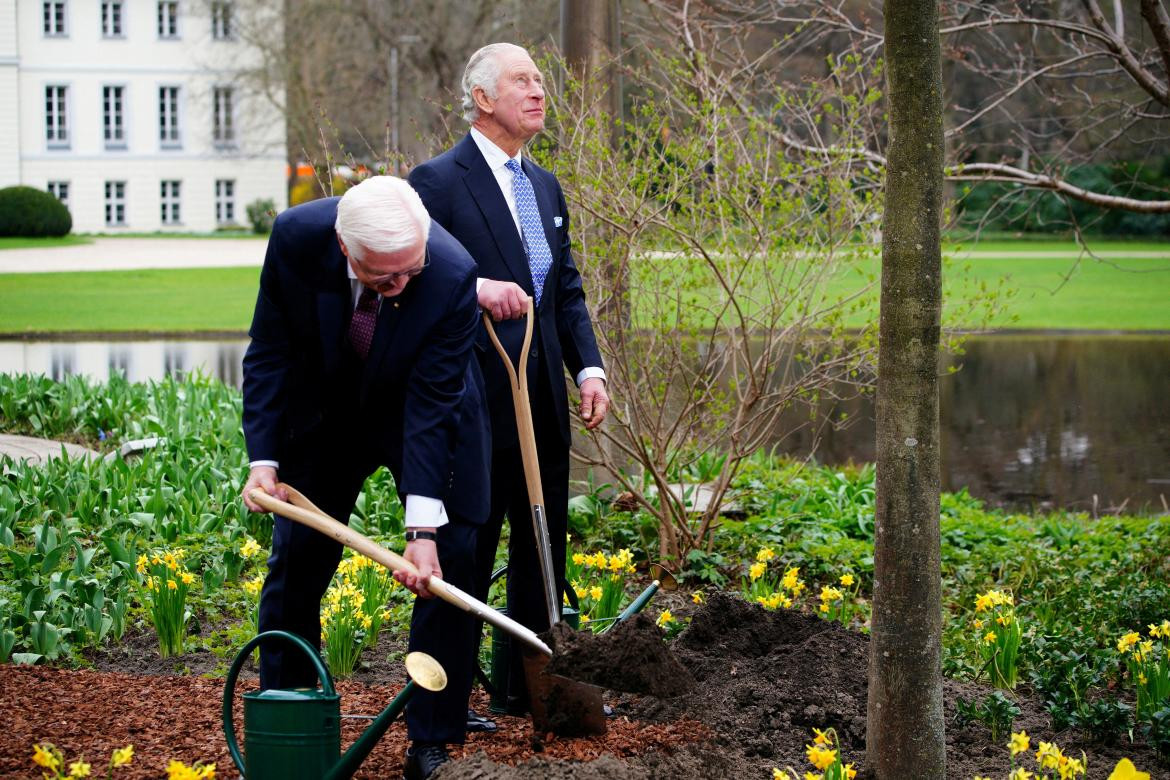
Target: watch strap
{"x": 429, "y": 536}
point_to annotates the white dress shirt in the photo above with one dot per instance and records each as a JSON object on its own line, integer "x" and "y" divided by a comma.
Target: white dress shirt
{"x": 497, "y": 160}
{"x": 421, "y": 511}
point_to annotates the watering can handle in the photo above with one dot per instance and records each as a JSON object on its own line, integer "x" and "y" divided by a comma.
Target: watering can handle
{"x": 229, "y": 686}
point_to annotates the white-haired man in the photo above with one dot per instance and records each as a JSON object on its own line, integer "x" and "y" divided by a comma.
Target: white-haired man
{"x": 360, "y": 358}
{"x": 511, "y": 216}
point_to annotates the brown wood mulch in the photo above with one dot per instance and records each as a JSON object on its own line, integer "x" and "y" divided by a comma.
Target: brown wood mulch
{"x": 88, "y": 714}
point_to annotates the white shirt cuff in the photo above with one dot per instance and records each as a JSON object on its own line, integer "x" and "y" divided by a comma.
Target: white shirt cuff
{"x": 424, "y": 512}
{"x": 479, "y": 280}
{"x": 589, "y": 373}
{"x": 271, "y": 463}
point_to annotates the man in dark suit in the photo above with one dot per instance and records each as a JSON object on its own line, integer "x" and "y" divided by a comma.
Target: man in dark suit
{"x": 511, "y": 216}
{"x": 361, "y": 357}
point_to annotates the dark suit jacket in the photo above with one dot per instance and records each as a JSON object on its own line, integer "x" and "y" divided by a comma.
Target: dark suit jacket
{"x": 462, "y": 195}
{"x": 417, "y": 403}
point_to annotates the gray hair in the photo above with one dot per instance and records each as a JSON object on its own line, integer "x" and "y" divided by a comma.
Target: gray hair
{"x": 381, "y": 214}
{"x": 483, "y": 71}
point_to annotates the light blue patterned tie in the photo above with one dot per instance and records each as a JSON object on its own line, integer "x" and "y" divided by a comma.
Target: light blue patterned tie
{"x": 531, "y": 229}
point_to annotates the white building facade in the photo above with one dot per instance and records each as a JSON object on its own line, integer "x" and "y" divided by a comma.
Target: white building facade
{"x": 132, "y": 112}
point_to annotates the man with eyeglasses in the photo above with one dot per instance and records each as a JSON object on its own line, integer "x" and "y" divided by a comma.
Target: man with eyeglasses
{"x": 360, "y": 357}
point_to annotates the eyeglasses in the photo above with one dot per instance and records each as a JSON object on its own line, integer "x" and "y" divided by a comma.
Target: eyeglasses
{"x": 388, "y": 281}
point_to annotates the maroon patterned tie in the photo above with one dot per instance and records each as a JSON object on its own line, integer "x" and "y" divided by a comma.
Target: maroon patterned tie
{"x": 361, "y": 327}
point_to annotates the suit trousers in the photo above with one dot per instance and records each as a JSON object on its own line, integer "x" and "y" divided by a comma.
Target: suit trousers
{"x": 525, "y": 592}
{"x": 300, "y": 568}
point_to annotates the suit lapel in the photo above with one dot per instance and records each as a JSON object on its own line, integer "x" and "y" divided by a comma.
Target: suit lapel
{"x": 485, "y": 191}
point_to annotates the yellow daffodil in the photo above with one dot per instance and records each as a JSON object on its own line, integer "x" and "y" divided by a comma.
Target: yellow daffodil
{"x": 252, "y": 587}
{"x": 172, "y": 585}
{"x": 187, "y": 577}
{"x": 79, "y": 769}
{"x": 1048, "y": 755}
{"x": 250, "y": 549}
{"x": 978, "y": 624}
{"x": 850, "y": 772}
{"x": 697, "y": 597}
{"x": 141, "y": 564}
{"x": 829, "y": 593}
{"x": 665, "y": 618}
{"x": 813, "y": 776}
{"x": 757, "y": 570}
{"x": 595, "y": 593}
{"x": 989, "y": 637}
{"x": 765, "y": 554}
{"x": 820, "y": 757}
{"x": 847, "y": 580}
{"x": 1128, "y": 641}
{"x": 820, "y": 737}
{"x": 578, "y": 559}
{"x": 122, "y": 756}
{"x": 983, "y": 602}
{"x": 791, "y": 578}
{"x": 777, "y": 774}
{"x": 1019, "y": 773}
{"x": 1125, "y": 770}
{"x": 43, "y": 755}
{"x": 1019, "y": 743}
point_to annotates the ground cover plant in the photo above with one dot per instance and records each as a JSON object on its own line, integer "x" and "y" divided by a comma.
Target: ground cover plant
{"x": 1089, "y": 596}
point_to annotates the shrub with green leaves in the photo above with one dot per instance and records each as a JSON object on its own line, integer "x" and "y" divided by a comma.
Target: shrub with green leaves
{"x": 27, "y": 212}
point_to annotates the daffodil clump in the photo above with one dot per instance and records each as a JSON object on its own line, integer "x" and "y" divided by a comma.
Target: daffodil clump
{"x": 998, "y": 635}
{"x": 252, "y": 588}
{"x": 165, "y": 583}
{"x": 1148, "y": 661}
{"x": 353, "y": 611}
{"x": 599, "y": 580}
{"x": 177, "y": 770}
{"x": 1051, "y": 762}
{"x": 765, "y": 590}
{"x": 825, "y": 755}
{"x": 52, "y": 762}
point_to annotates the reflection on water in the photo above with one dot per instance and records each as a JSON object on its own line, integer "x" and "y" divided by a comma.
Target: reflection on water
{"x": 1026, "y": 421}
{"x": 138, "y": 361}
{"x": 1043, "y": 421}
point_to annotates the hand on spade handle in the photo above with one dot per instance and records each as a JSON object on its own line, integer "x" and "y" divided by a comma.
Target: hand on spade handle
{"x": 301, "y": 510}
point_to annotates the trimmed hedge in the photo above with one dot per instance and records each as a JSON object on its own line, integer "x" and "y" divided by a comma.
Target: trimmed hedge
{"x": 27, "y": 212}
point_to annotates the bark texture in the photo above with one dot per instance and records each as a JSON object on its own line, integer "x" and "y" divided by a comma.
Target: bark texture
{"x": 905, "y": 734}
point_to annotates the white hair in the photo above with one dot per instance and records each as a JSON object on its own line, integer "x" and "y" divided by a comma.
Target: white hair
{"x": 382, "y": 214}
{"x": 483, "y": 71}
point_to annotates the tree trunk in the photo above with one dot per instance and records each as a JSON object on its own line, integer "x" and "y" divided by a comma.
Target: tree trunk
{"x": 904, "y": 733}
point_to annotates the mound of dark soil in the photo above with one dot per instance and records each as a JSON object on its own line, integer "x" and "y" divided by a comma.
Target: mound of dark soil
{"x": 632, "y": 657}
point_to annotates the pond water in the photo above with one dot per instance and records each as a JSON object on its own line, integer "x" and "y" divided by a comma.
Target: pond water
{"x": 1027, "y": 421}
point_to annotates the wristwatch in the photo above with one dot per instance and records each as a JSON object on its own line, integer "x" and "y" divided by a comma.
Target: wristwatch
{"x": 429, "y": 536}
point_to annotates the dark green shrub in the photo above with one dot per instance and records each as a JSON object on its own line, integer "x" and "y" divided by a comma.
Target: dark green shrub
{"x": 31, "y": 213}
{"x": 261, "y": 213}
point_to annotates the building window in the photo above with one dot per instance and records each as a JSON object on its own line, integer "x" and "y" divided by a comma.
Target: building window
{"x": 113, "y": 117}
{"x": 223, "y": 132}
{"x": 168, "y": 117}
{"x": 169, "y": 198}
{"x": 115, "y": 203}
{"x": 112, "y": 18}
{"x": 54, "y": 16}
{"x": 56, "y": 119}
{"x": 168, "y": 19}
{"x": 221, "y": 20}
{"x": 60, "y": 191}
{"x": 225, "y": 201}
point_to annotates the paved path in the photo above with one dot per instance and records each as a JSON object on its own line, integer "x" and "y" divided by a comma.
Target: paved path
{"x": 118, "y": 254}
{"x": 40, "y": 450}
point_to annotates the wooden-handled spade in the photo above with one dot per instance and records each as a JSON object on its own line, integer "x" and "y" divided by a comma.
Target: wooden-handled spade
{"x": 302, "y": 510}
{"x": 518, "y": 379}
{"x": 559, "y": 704}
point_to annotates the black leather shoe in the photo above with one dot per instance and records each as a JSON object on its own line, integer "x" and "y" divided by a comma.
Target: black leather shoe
{"x": 477, "y": 722}
{"x": 517, "y": 706}
{"x": 423, "y": 758}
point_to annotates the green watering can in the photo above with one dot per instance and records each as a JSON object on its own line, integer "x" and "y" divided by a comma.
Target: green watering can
{"x": 297, "y": 732}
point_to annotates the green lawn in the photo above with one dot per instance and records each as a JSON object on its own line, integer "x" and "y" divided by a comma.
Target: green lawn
{"x": 1121, "y": 292}
{"x": 15, "y": 242}
{"x": 182, "y": 300}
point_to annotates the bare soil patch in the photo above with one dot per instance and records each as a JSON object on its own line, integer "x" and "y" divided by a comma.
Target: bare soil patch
{"x": 761, "y": 681}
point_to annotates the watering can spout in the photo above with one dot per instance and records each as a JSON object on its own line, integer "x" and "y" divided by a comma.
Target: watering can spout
{"x": 297, "y": 732}
{"x": 425, "y": 672}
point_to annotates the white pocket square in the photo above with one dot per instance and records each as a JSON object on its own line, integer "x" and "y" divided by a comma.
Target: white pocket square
{"x": 557, "y": 221}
